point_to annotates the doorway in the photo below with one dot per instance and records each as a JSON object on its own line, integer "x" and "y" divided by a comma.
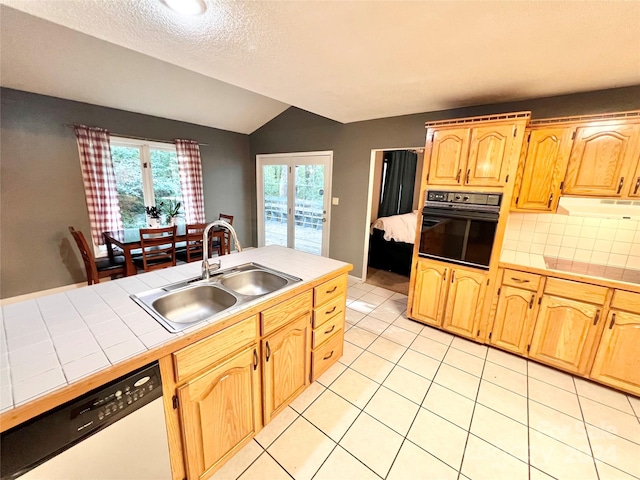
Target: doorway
{"x": 293, "y": 196}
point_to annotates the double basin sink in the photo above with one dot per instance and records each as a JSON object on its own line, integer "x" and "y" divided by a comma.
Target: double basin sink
{"x": 184, "y": 304}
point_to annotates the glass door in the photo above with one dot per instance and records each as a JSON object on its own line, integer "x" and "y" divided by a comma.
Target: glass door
{"x": 293, "y": 201}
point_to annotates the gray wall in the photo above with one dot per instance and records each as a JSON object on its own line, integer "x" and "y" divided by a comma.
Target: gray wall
{"x": 41, "y": 189}
{"x": 297, "y": 131}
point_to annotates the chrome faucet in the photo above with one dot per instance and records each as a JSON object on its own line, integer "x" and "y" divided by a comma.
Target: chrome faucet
{"x": 206, "y": 266}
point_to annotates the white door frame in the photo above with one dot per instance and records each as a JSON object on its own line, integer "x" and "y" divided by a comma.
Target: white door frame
{"x": 367, "y": 221}
{"x": 302, "y": 158}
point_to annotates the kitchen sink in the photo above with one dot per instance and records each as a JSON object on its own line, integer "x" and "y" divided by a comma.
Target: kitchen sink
{"x": 184, "y": 304}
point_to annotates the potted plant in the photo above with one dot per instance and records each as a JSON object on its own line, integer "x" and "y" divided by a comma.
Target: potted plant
{"x": 153, "y": 215}
{"x": 173, "y": 212}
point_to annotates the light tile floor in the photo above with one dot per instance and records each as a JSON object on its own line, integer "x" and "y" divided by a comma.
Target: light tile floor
{"x": 409, "y": 402}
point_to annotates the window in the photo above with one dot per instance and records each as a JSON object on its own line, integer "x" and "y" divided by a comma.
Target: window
{"x": 146, "y": 175}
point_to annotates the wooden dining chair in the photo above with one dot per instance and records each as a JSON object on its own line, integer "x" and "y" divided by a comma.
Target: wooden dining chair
{"x": 192, "y": 251}
{"x": 226, "y": 248}
{"x": 158, "y": 247}
{"x": 97, "y": 268}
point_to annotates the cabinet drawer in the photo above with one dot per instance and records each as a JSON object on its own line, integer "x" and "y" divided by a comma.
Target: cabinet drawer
{"x": 278, "y": 315}
{"x": 209, "y": 350}
{"x": 628, "y": 301}
{"x": 329, "y": 310}
{"x": 327, "y": 329}
{"x": 586, "y": 292}
{"x": 528, "y": 281}
{"x": 328, "y": 290}
{"x": 327, "y": 354}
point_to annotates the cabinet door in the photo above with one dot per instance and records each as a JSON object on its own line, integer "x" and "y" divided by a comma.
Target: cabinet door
{"x": 618, "y": 359}
{"x": 429, "y": 292}
{"x": 544, "y": 168}
{"x": 512, "y": 323}
{"x": 448, "y": 156}
{"x": 287, "y": 355}
{"x": 600, "y": 159}
{"x": 464, "y": 302}
{"x": 220, "y": 411}
{"x": 565, "y": 332}
{"x": 489, "y": 154}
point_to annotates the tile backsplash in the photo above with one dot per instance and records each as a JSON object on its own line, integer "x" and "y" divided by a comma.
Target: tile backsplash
{"x": 604, "y": 241}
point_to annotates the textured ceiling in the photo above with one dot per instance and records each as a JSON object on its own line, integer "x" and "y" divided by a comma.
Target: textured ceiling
{"x": 359, "y": 60}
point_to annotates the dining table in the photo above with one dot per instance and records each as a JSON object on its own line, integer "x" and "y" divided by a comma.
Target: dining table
{"x": 128, "y": 240}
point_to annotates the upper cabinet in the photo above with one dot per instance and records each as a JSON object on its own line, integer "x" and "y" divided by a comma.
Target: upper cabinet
{"x": 603, "y": 161}
{"x": 477, "y": 154}
{"x": 541, "y": 168}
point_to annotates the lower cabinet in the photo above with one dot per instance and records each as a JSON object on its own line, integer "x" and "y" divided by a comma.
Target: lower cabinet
{"x": 286, "y": 358}
{"x": 617, "y": 361}
{"x": 429, "y": 291}
{"x": 513, "y": 320}
{"x": 220, "y": 411}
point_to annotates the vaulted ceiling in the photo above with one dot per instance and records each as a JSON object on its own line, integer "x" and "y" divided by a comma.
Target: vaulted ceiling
{"x": 242, "y": 63}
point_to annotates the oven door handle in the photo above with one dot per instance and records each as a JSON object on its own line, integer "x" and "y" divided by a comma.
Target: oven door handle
{"x": 437, "y": 214}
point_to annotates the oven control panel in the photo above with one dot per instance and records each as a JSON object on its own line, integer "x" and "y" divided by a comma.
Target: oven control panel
{"x": 469, "y": 198}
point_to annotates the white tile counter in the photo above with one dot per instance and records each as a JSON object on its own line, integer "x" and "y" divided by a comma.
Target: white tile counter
{"x": 53, "y": 341}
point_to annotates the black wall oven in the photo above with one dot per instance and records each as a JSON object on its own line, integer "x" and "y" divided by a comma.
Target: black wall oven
{"x": 459, "y": 227}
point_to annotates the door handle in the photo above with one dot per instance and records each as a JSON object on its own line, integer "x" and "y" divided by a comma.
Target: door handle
{"x": 613, "y": 321}
{"x": 332, "y": 290}
{"x": 531, "y": 301}
{"x": 595, "y": 320}
{"x": 468, "y": 174}
{"x": 331, "y": 311}
{"x": 620, "y": 184}
{"x": 635, "y": 189}
{"x": 329, "y": 356}
{"x": 519, "y": 280}
{"x": 453, "y": 275}
{"x": 458, "y": 176}
{"x": 268, "y": 351}
{"x": 255, "y": 359}
{"x": 550, "y": 200}
{"x": 330, "y": 330}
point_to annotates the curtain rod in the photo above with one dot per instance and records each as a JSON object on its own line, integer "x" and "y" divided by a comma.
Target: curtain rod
{"x": 138, "y": 138}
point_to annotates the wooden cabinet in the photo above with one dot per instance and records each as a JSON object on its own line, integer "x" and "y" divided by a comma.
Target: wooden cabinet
{"x": 567, "y": 325}
{"x": 603, "y": 160}
{"x": 286, "y": 358}
{"x": 542, "y": 167}
{"x": 328, "y": 324}
{"x": 450, "y": 297}
{"x": 617, "y": 361}
{"x": 429, "y": 291}
{"x": 516, "y": 311}
{"x": 220, "y": 412}
{"x": 465, "y": 299}
{"x": 475, "y": 155}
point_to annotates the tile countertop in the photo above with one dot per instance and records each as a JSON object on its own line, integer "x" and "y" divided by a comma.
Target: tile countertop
{"x": 579, "y": 272}
{"x": 54, "y": 341}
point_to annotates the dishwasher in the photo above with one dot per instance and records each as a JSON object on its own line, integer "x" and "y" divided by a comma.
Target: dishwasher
{"x": 115, "y": 432}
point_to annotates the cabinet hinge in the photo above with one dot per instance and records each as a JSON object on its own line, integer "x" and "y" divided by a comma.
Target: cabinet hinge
{"x": 499, "y": 289}
{"x": 573, "y": 135}
{"x": 561, "y": 185}
{"x": 528, "y": 347}
{"x": 506, "y": 180}
{"x": 175, "y": 402}
{"x": 539, "y": 300}
{"x": 490, "y": 333}
{"x": 515, "y": 132}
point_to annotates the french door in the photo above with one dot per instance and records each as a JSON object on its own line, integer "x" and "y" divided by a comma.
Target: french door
{"x": 294, "y": 195}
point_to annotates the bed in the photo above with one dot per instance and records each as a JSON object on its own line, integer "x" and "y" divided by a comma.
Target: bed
{"x": 391, "y": 242}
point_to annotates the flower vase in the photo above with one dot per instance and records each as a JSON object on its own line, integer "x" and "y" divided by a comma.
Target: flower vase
{"x": 153, "y": 222}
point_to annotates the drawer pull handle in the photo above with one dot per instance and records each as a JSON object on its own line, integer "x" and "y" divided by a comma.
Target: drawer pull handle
{"x": 595, "y": 320}
{"x": 332, "y": 290}
{"x": 620, "y": 184}
{"x": 468, "y": 173}
{"x": 330, "y": 330}
{"x": 255, "y": 359}
{"x": 332, "y": 310}
{"x": 520, "y": 280}
{"x": 613, "y": 321}
{"x": 268, "y": 351}
{"x": 329, "y": 356}
{"x": 635, "y": 189}
{"x": 458, "y": 176}
{"x": 531, "y": 301}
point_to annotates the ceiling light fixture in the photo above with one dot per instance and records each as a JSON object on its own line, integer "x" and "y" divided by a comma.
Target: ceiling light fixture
{"x": 187, "y": 7}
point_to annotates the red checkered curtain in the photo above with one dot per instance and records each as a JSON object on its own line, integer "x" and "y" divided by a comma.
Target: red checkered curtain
{"x": 99, "y": 181}
{"x": 190, "y": 169}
